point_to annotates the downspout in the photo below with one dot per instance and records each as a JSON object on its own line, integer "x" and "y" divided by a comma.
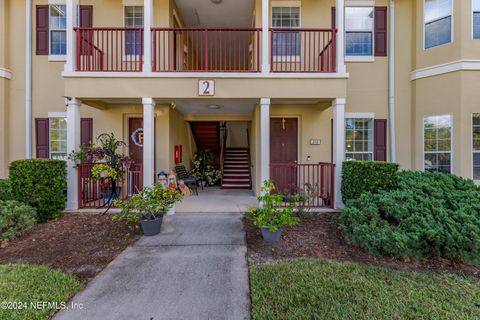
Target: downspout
{"x": 391, "y": 84}
{"x": 28, "y": 79}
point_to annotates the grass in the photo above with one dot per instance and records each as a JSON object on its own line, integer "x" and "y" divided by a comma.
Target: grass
{"x": 24, "y": 283}
{"x": 314, "y": 289}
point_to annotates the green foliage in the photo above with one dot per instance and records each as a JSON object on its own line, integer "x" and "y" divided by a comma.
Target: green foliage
{"x": 147, "y": 205}
{"x": 429, "y": 214}
{"x": 316, "y": 289}
{"x": 5, "y": 190}
{"x": 104, "y": 171}
{"x": 25, "y": 283}
{"x": 15, "y": 218}
{"x": 367, "y": 176}
{"x": 271, "y": 214}
{"x": 203, "y": 169}
{"x": 81, "y": 155}
{"x": 40, "y": 183}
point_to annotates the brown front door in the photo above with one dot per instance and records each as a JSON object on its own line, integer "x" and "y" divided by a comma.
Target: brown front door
{"x": 284, "y": 153}
{"x": 136, "y": 151}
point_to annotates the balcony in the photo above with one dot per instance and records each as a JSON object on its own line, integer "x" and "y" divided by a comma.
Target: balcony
{"x": 205, "y": 50}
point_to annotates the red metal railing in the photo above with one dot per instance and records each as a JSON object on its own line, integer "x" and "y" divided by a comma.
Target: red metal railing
{"x": 206, "y": 50}
{"x": 314, "y": 182}
{"x": 94, "y": 194}
{"x": 302, "y": 50}
{"x": 109, "y": 49}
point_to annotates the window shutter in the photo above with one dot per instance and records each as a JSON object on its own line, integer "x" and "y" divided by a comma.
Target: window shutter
{"x": 334, "y": 18}
{"x": 380, "y": 139}
{"x": 42, "y": 29}
{"x": 86, "y": 16}
{"x": 42, "y": 137}
{"x": 86, "y": 131}
{"x": 381, "y": 31}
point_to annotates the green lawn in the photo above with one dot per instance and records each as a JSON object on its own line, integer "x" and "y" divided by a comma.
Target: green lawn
{"x": 314, "y": 289}
{"x": 30, "y": 283}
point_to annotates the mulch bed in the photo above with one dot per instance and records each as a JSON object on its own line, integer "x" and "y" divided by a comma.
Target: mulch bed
{"x": 78, "y": 244}
{"x": 318, "y": 236}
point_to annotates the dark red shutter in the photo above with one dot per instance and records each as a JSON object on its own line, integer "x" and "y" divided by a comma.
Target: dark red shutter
{"x": 381, "y": 31}
{"x": 42, "y": 30}
{"x": 334, "y": 18}
{"x": 380, "y": 139}
{"x": 86, "y": 16}
{"x": 42, "y": 137}
{"x": 86, "y": 131}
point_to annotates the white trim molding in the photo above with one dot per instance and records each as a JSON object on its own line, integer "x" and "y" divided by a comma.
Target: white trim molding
{"x": 359, "y": 115}
{"x": 5, "y": 73}
{"x": 58, "y": 114}
{"x": 453, "y": 66}
{"x": 359, "y": 59}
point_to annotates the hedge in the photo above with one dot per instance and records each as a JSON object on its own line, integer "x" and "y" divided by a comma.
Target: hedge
{"x": 40, "y": 183}
{"x": 5, "y": 190}
{"x": 15, "y": 218}
{"x": 427, "y": 215}
{"x": 367, "y": 176}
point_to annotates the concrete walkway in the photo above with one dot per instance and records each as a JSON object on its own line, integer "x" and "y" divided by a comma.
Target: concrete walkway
{"x": 195, "y": 269}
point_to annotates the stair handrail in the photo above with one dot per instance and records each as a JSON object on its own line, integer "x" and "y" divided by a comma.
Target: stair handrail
{"x": 222, "y": 153}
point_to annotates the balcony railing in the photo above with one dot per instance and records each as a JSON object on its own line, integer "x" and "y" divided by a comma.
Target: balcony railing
{"x": 206, "y": 50}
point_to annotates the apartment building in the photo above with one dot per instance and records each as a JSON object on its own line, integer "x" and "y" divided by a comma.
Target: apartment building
{"x": 295, "y": 86}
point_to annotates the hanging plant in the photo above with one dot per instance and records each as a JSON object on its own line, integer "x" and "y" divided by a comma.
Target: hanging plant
{"x": 104, "y": 171}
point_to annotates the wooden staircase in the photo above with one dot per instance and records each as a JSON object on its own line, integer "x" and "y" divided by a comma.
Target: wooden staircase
{"x": 236, "y": 169}
{"x": 206, "y": 135}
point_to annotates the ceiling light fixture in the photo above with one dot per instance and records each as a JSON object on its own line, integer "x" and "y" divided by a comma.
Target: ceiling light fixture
{"x": 216, "y": 1}
{"x": 213, "y": 106}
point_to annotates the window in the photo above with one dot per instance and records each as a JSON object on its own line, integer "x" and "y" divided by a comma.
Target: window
{"x": 438, "y": 22}
{"x": 58, "y": 30}
{"x": 359, "y": 31}
{"x": 58, "y": 138}
{"x": 476, "y": 145}
{"x": 437, "y": 141}
{"x": 133, "y": 19}
{"x": 286, "y": 43}
{"x": 359, "y": 139}
{"x": 476, "y": 19}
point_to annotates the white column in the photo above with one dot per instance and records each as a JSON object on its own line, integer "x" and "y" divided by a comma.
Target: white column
{"x": 340, "y": 21}
{"x": 71, "y": 7}
{"x": 148, "y": 141}
{"x": 338, "y": 147}
{"x": 147, "y": 35}
{"x": 73, "y": 143}
{"x": 265, "y": 36}
{"x": 264, "y": 139}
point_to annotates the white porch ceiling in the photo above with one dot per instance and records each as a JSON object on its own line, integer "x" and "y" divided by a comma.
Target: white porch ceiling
{"x": 226, "y": 14}
{"x": 227, "y": 107}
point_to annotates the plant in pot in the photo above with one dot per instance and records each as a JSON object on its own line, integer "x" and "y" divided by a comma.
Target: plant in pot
{"x": 272, "y": 217}
{"x": 148, "y": 207}
{"x": 203, "y": 169}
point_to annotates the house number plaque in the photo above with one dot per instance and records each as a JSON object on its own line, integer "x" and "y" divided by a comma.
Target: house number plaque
{"x": 206, "y": 87}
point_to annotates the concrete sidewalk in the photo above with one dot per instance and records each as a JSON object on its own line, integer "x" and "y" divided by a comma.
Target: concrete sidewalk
{"x": 195, "y": 269}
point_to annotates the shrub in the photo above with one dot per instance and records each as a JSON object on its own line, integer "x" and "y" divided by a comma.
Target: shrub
{"x": 40, "y": 183}
{"x": 5, "y": 190}
{"x": 428, "y": 215}
{"x": 15, "y": 218}
{"x": 367, "y": 176}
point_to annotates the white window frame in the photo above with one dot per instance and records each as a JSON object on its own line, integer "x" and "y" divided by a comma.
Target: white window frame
{"x": 473, "y": 13}
{"x": 51, "y": 56}
{"x": 54, "y": 115}
{"x": 451, "y": 140}
{"x": 287, "y": 4}
{"x": 370, "y": 58}
{"x": 451, "y": 29}
{"x": 363, "y": 116}
{"x": 128, "y": 57}
{"x": 471, "y": 141}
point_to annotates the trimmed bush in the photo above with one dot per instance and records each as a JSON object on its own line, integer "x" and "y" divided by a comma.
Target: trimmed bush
{"x": 15, "y": 218}
{"x": 40, "y": 183}
{"x": 428, "y": 215}
{"x": 5, "y": 190}
{"x": 367, "y": 176}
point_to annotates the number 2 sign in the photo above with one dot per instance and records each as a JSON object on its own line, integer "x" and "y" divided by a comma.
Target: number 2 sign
{"x": 206, "y": 87}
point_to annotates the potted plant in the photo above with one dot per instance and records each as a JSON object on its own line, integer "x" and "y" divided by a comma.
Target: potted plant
{"x": 203, "y": 169}
{"x": 272, "y": 217}
{"x": 171, "y": 199}
{"x": 148, "y": 207}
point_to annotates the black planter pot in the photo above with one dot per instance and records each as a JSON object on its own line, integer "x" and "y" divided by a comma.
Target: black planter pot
{"x": 271, "y": 236}
{"x": 151, "y": 227}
